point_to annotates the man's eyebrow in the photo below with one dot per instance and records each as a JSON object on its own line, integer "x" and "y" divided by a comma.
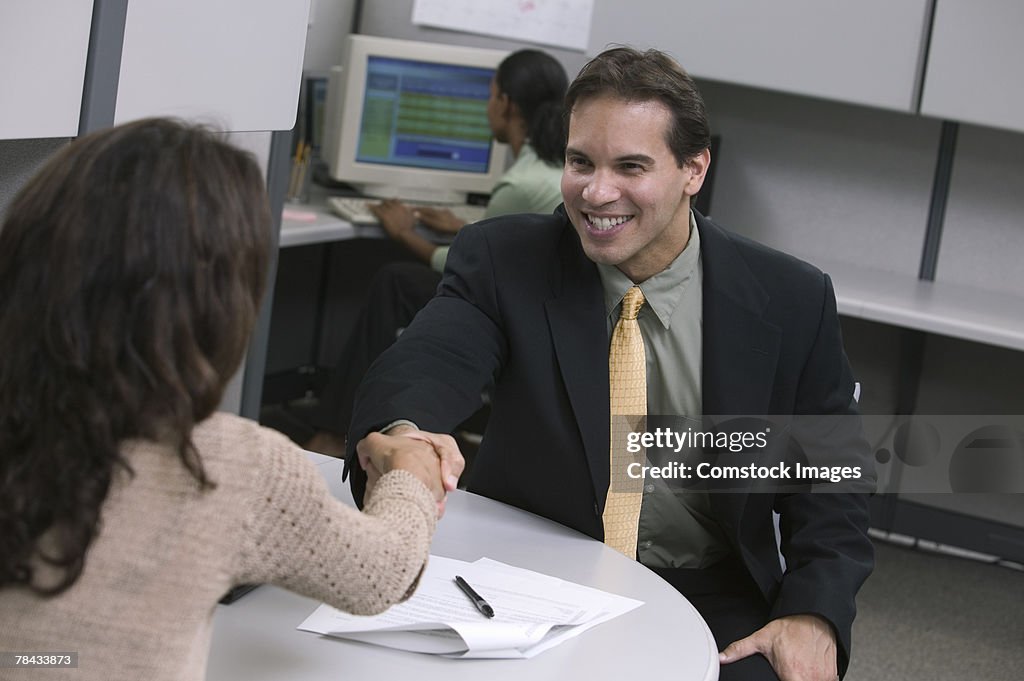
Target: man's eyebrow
{"x": 627, "y": 158}
{"x": 635, "y": 158}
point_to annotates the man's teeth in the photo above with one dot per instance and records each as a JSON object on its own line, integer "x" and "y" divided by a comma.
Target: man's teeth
{"x": 607, "y": 223}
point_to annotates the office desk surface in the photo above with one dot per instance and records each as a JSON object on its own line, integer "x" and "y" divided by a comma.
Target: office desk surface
{"x": 313, "y": 223}
{"x": 255, "y": 638}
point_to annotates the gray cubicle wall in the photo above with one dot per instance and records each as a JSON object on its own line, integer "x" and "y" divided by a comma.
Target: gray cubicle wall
{"x": 983, "y": 237}
{"x": 754, "y": 43}
{"x": 258, "y": 99}
{"x": 974, "y": 59}
{"x": 329, "y": 22}
{"x": 866, "y": 52}
{"x": 823, "y": 180}
{"x": 19, "y": 160}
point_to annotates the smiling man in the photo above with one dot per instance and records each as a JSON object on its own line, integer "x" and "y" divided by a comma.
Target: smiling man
{"x": 529, "y": 307}
{"x": 624, "y": 190}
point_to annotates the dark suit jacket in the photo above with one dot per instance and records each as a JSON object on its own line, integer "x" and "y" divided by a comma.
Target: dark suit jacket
{"x": 521, "y": 305}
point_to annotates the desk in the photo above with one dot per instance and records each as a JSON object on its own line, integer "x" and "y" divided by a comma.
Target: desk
{"x": 318, "y": 224}
{"x": 256, "y": 639}
{"x": 323, "y": 227}
{"x": 931, "y": 306}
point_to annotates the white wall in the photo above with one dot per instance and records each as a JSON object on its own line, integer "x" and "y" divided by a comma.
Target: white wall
{"x": 43, "y": 48}
{"x": 393, "y": 19}
{"x": 820, "y": 179}
{"x": 233, "y": 63}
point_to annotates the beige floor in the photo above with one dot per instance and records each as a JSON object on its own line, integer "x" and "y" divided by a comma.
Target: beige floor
{"x": 924, "y": 616}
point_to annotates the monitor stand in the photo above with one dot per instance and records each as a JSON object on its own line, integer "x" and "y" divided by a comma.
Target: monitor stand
{"x": 412, "y": 194}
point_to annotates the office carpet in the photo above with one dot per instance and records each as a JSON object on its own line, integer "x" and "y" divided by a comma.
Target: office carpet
{"x": 927, "y": 616}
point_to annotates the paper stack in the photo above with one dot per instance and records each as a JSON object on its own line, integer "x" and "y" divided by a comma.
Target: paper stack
{"x": 533, "y": 612}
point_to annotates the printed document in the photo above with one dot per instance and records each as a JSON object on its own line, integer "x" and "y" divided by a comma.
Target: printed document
{"x": 532, "y": 613}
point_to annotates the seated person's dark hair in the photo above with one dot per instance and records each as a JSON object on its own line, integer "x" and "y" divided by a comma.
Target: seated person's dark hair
{"x": 131, "y": 268}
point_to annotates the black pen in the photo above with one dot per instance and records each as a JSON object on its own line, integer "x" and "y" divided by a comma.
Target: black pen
{"x": 480, "y": 604}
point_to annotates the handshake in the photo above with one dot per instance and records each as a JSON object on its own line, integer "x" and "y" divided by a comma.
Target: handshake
{"x": 434, "y": 459}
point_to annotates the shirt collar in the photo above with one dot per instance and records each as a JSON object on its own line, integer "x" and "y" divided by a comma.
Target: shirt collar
{"x": 664, "y": 290}
{"x": 526, "y": 152}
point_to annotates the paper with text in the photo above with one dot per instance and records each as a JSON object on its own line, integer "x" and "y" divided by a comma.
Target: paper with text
{"x": 533, "y": 612}
{"x": 562, "y": 23}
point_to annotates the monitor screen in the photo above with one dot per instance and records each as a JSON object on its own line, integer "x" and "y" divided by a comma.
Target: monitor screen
{"x": 409, "y": 119}
{"x": 425, "y": 115}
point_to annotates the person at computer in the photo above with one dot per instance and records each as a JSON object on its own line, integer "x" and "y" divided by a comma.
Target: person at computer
{"x": 728, "y": 327}
{"x": 131, "y": 270}
{"x": 524, "y": 111}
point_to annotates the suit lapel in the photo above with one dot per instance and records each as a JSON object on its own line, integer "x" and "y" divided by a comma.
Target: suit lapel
{"x": 741, "y": 349}
{"x": 576, "y": 317}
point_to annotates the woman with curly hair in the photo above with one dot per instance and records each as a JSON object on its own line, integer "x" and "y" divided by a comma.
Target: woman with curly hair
{"x": 131, "y": 271}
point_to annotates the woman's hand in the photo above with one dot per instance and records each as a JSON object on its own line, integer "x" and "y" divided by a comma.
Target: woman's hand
{"x": 439, "y": 219}
{"x": 395, "y": 218}
{"x": 434, "y": 459}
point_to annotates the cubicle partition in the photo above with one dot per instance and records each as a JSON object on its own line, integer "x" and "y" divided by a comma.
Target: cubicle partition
{"x": 75, "y": 66}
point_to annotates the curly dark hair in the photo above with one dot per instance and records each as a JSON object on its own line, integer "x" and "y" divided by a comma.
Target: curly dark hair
{"x": 131, "y": 270}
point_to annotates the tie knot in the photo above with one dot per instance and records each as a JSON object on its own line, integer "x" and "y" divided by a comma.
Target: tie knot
{"x": 631, "y": 303}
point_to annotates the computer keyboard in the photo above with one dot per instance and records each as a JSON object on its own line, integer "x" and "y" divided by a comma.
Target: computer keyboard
{"x": 356, "y": 209}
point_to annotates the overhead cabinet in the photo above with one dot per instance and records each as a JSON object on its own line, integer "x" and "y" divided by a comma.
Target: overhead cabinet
{"x": 43, "y": 50}
{"x": 973, "y": 69}
{"x": 866, "y": 52}
{"x": 236, "y": 64}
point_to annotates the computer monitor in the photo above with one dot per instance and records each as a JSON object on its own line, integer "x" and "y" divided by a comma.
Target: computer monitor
{"x": 409, "y": 120}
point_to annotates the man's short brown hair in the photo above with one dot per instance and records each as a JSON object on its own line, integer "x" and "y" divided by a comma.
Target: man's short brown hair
{"x": 634, "y": 76}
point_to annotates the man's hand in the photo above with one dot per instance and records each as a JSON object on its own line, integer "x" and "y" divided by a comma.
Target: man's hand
{"x": 395, "y": 218}
{"x": 377, "y": 456}
{"x": 452, "y": 462}
{"x": 798, "y": 647}
{"x": 439, "y": 219}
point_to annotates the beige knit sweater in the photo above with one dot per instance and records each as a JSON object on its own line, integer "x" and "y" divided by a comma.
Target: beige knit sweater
{"x": 143, "y": 607}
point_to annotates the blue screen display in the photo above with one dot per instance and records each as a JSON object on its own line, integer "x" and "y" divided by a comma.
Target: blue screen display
{"x": 425, "y": 115}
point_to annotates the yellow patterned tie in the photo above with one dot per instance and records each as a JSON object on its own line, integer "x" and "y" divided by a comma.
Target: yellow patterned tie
{"x": 627, "y": 369}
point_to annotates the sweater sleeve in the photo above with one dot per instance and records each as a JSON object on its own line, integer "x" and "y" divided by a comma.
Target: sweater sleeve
{"x": 301, "y": 538}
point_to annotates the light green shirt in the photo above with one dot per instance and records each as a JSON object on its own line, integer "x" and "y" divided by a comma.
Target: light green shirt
{"x": 676, "y": 528}
{"x": 530, "y": 185}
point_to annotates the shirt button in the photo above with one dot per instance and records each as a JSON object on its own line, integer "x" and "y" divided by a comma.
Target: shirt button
{"x": 597, "y": 511}
{"x": 649, "y": 489}
{"x": 647, "y": 544}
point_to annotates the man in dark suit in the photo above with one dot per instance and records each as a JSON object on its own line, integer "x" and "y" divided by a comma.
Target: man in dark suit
{"x": 525, "y": 310}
